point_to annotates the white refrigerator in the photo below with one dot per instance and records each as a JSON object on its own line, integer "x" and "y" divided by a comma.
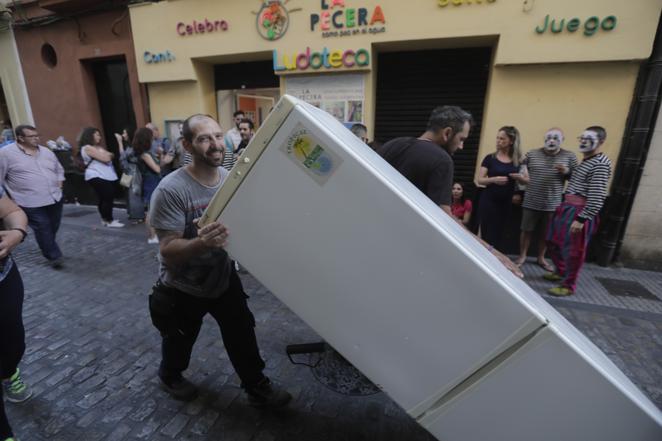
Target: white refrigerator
{"x": 410, "y": 298}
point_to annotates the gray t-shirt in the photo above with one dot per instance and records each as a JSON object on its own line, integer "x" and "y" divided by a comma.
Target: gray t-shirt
{"x": 175, "y": 203}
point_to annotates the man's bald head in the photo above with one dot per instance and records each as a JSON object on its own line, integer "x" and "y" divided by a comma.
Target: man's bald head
{"x": 190, "y": 123}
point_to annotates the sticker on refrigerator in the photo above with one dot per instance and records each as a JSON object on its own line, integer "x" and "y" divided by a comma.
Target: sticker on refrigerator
{"x": 307, "y": 152}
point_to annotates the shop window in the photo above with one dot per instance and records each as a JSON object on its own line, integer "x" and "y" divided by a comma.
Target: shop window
{"x": 48, "y": 55}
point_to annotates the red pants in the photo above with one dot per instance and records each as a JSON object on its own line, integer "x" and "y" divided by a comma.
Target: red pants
{"x": 568, "y": 250}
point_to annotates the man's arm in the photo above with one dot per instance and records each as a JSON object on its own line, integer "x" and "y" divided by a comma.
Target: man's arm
{"x": 13, "y": 217}
{"x": 505, "y": 261}
{"x": 4, "y": 167}
{"x": 59, "y": 170}
{"x": 176, "y": 250}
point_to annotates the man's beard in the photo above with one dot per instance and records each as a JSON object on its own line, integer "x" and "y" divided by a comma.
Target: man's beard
{"x": 207, "y": 158}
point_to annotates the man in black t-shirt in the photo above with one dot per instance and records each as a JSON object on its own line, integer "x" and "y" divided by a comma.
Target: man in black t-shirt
{"x": 426, "y": 161}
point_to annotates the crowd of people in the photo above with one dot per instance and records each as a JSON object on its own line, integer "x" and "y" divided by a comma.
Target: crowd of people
{"x": 196, "y": 275}
{"x": 560, "y": 197}
{"x": 169, "y": 186}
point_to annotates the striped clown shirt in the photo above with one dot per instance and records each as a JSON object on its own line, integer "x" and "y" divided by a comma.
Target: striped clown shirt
{"x": 545, "y": 187}
{"x": 589, "y": 180}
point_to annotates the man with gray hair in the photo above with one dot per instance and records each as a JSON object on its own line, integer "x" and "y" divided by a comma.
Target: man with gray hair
{"x": 33, "y": 178}
{"x": 546, "y": 171}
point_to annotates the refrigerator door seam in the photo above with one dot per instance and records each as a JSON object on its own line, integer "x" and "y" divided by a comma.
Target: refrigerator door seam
{"x": 480, "y": 373}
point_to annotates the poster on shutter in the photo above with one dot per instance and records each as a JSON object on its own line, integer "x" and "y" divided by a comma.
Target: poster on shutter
{"x": 342, "y": 96}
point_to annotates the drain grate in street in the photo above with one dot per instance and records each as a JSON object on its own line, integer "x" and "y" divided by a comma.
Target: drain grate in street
{"x": 627, "y": 288}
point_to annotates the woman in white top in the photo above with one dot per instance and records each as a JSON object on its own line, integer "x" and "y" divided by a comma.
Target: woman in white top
{"x": 99, "y": 172}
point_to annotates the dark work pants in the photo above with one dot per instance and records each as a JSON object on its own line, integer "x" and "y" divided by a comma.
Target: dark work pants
{"x": 45, "y": 221}
{"x": 178, "y": 316}
{"x": 12, "y": 335}
{"x": 105, "y": 191}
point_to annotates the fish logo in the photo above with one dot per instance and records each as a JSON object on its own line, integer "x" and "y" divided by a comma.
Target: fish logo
{"x": 273, "y": 19}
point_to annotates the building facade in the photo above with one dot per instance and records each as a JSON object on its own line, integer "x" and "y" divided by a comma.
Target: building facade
{"x": 77, "y": 59}
{"x": 534, "y": 64}
{"x": 14, "y": 102}
{"x": 79, "y": 66}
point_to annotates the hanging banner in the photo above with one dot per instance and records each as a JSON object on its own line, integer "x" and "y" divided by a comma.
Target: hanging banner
{"x": 343, "y": 96}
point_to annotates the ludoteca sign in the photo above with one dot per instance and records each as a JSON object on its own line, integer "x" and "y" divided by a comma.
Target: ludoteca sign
{"x": 320, "y": 60}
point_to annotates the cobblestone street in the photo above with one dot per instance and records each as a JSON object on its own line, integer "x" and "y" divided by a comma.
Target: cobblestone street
{"x": 92, "y": 353}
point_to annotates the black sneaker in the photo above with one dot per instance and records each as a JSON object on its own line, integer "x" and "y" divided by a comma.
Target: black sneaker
{"x": 179, "y": 388}
{"x": 267, "y": 394}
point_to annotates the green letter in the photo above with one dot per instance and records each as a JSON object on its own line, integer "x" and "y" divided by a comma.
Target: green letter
{"x": 573, "y": 24}
{"x": 544, "y": 28}
{"x": 591, "y": 25}
{"x": 609, "y": 23}
{"x": 350, "y": 17}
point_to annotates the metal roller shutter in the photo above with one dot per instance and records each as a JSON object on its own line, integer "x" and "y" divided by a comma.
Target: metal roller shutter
{"x": 411, "y": 84}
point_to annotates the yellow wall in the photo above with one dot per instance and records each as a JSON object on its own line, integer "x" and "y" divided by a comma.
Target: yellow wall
{"x": 177, "y": 100}
{"x": 154, "y": 29}
{"x": 13, "y": 84}
{"x": 573, "y": 96}
{"x": 537, "y": 80}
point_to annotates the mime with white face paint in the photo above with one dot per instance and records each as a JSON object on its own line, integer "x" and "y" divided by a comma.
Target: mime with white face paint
{"x": 548, "y": 168}
{"x": 577, "y": 218}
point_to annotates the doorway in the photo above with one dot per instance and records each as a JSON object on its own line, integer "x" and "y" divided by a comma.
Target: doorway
{"x": 111, "y": 78}
{"x": 248, "y": 86}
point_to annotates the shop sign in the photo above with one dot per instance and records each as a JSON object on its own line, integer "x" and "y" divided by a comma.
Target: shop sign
{"x": 273, "y": 19}
{"x": 337, "y": 20}
{"x": 324, "y": 59}
{"x": 444, "y": 3}
{"x": 160, "y": 57}
{"x": 201, "y": 27}
{"x": 590, "y": 26}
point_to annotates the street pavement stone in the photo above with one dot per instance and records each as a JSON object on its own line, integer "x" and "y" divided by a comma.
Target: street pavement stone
{"x": 92, "y": 354}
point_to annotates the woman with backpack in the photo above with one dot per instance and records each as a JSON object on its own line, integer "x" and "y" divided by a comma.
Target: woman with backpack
{"x": 99, "y": 172}
{"x": 135, "y": 207}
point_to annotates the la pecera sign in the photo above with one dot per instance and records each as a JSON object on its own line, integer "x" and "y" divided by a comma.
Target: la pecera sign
{"x": 335, "y": 19}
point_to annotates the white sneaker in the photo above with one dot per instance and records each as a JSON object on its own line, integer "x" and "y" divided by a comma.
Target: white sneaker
{"x": 153, "y": 240}
{"x": 114, "y": 224}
